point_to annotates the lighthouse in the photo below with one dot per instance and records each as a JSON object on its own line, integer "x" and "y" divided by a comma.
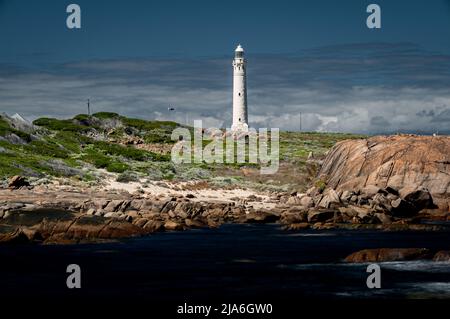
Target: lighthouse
{"x": 240, "y": 115}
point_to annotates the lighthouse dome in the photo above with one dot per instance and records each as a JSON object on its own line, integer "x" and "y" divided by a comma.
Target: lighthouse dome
{"x": 239, "y": 49}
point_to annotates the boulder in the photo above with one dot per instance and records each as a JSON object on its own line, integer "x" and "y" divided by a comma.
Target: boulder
{"x": 133, "y": 214}
{"x": 362, "y": 212}
{"x": 443, "y": 255}
{"x": 114, "y": 205}
{"x": 402, "y": 208}
{"x": 347, "y": 213}
{"x": 261, "y": 216}
{"x": 112, "y": 215}
{"x": 101, "y": 203}
{"x": 330, "y": 197}
{"x": 289, "y": 217}
{"x": 313, "y": 191}
{"x": 394, "y": 162}
{"x": 381, "y": 202}
{"x": 140, "y": 222}
{"x": 420, "y": 198}
{"x": 357, "y": 214}
{"x": 171, "y": 225}
{"x": 391, "y": 190}
{"x": 306, "y": 201}
{"x": 194, "y": 223}
{"x": 320, "y": 215}
{"x": 297, "y": 226}
{"x": 33, "y": 234}
{"x": 346, "y": 196}
{"x": 14, "y": 236}
{"x": 293, "y": 200}
{"x": 125, "y": 205}
{"x": 16, "y": 182}
{"x": 383, "y": 218}
{"x": 119, "y": 229}
{"x": 370, "y": 191}
{"x": 387, "y": 254}
{"x": 154, "y": 226}
{"x": 136, "y": 204}
{"x": 91, "y": 211}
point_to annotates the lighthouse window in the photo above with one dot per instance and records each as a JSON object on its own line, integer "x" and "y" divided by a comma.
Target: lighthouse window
{"x": 239, "y": 93}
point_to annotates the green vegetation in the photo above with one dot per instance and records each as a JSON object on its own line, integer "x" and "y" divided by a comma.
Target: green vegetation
{"x": 74, "y": 142}
{"x": 117, "y": 167}
{"x": 127, "y": 176}
{"x": 158, "y": 136}
{"x": 81, "y": 117}
{"x": 60, "y": 125}
{"x": 46, "y": 148}
{"x": 106, "y": 115}
{"x": 297, "y": 146}
{"x": 143, "y": 125}
{"x": 77, "y": 147}
{"x": 320, "y": 184}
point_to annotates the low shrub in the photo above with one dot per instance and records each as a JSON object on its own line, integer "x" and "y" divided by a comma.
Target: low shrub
{"x": 127, "y": 177}
{"x": 59, "y": 125}
{"x": 117, "y": 167}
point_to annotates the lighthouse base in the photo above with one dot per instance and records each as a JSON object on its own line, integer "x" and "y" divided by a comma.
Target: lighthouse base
{"x": 239, "y": 127}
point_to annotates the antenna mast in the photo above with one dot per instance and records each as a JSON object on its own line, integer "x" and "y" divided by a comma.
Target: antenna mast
{"x": 300, "y": 121}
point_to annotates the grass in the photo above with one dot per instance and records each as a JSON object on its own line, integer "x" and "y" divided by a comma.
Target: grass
{"x": 117, "y": 167}
{"x": 106, "y": 115}
{"x": 129, "y": 152}
{"x": 298, "y": 145}
{"x": 19, "y": 163}
{"x": 158, "y": 136}
{"x": 46, "y": 148}
{"x": 60, "y": 125}
{"x": 144, "y": 125}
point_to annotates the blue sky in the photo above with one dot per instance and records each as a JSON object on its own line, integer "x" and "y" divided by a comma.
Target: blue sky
{"x": 315, "y": 57}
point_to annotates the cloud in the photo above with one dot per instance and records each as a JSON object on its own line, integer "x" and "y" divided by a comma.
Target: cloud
{"x": 379, "y": 122}
{"x": 361, "y": 88}
{"x": 442, "y": 117}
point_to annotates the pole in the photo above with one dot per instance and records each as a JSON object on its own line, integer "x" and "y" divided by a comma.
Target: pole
{"x": 89, "y": 107}
{"x": 300, "y": 121}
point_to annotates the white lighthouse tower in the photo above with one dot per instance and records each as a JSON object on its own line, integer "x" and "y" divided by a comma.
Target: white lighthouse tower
{"x": 240, "y": 115}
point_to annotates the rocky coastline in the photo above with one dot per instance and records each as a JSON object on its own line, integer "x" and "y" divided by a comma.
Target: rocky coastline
{"x": 63, "y": 215}
{"x": 391, "y": 183}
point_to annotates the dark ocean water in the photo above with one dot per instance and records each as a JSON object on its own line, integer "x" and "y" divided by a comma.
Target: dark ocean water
{"x": 234, "y": 262}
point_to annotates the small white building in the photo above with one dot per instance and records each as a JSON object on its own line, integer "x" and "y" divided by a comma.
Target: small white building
{"x": 240, "y": 114}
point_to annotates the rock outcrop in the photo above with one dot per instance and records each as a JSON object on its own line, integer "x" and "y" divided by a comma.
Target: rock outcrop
{"x": 389, "y": 183}
{"x": 17, "y": 182}
{"x": 401, "y": 162}
{"x": 443, "y": 255}
{"x": 388, "y": 254}
{"x": 56, "y": 216}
